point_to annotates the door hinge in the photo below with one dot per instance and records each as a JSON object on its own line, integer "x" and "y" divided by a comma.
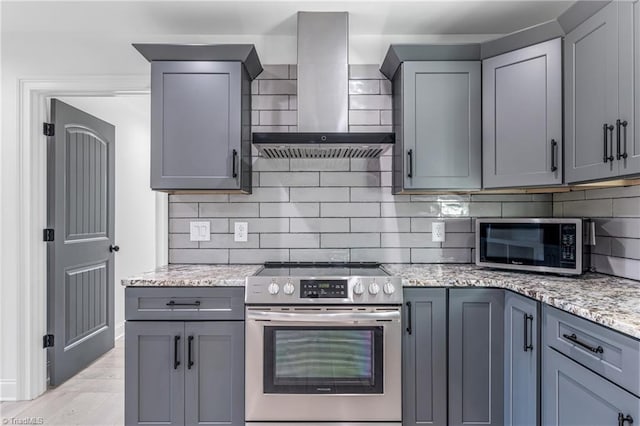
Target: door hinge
{"x": 47, "y": 234}
{"x": 48, "y": 129}
{"x": 47, "y": 341}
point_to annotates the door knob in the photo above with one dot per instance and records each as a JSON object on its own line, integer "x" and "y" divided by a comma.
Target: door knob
{"x": 113, "y": 248}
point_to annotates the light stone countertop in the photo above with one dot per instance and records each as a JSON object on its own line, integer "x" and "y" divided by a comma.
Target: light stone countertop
{"x": 607, "y": 300}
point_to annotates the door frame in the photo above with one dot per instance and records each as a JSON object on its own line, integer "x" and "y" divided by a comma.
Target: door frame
{"x": 31, "y": 286}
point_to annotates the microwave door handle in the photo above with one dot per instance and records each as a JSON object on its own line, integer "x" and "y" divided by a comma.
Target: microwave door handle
{"x": 323, "y": 317}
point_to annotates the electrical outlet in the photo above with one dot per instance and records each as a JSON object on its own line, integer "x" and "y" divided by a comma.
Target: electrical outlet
{"x": 437, "y": 232}
{"x": 200, "y": 231}
{"x": 241, "y": 232}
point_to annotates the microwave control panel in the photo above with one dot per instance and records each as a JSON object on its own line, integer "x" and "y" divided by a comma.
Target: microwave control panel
{"x": 568, "y": 243}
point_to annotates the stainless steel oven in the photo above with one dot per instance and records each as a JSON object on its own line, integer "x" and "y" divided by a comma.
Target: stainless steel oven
{"x": 328, "y": 351}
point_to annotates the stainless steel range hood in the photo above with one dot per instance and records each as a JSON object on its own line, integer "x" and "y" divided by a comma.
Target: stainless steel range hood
{"x": 323, "y": 97}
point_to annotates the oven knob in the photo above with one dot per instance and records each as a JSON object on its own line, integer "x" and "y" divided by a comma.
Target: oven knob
{"x": 374, "y": 288}
{"x": 388, "y": 288}
{"x": 288, "y": 288}
{"x": 358, "y": 289}
{"x": 273, "y": 288}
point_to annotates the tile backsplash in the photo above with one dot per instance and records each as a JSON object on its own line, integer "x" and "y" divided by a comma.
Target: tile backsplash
{"x": 343, "y": 209}
{"x": 616, "y": 212}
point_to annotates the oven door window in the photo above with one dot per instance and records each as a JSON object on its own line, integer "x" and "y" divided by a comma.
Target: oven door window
{"x": 323, "y": 360}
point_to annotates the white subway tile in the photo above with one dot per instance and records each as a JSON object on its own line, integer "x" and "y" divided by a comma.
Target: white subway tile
{"x": 369, "y": 101}
{"x": 366, "y": 117}
{"x": 183, "y": 209}
{"x": 423, "y": 224}
{"x": 293, "y": 102}
{"x": 183, "y": 225}
{"x": 627, "y": 268}
{"x": 261, "y": 164}
{"x": 569, "y": 196}
{"x": 268, "y": 102}
{"x": 228, "y": 209}
{"x": 199, "y": 198}
{"x": 603, "y": 246}
{"x": 437, "y": 255}
{"x": 350, "y": 240}
{"x": 410, "y": 209}
{"x": 459, "y": 240}
{"x": 385, "y": 87}
{"x": 350, "y": 210}
{"x": 319, "y": 255}
{"x": 314, "y": 224}
{"x": 262, "y": 225}
{"x": 624, "y": 247}
{"x": 386, "y": 117}
{"x": 370, "y": 129}
{"x": 289, "y": 179}
{"x": 366, "y": 71}
{"x": 289, "y": 241}
{"x": 350, "y": 179}
{"x": 588, "y": 208}
{"x": 626, "y": 207}
{"x": 383, "y": 255}
{"x": 289, "y": 210}
{"x": 319, "y": 194}
{"x": 619, "y": 192}
{"x": 251, "y": 256}
{"x": 485, "y": 209}
{"x": 199, "y": 256}
{"x": 501, "y": 197}
{"x": 261, "y": 195}
{"x": 278, "y": 118}
{"x": 618, "y": 227}
{"x": 277, "y": 87}
{"x": 269, "y": 129}
{"x": 274, "y": 72}
{"x": 364, "y": 87}
{"x": 530, "y": 209}
{"x": 320, "y": 164}
{"x": 379, "y": 224}
{"x": 293, "y": 71}
{"x": 414, "y": 239}
{"x": 254, "y": 87}
{"x": 227, "y": 241}
{"x": 181, "y": 241}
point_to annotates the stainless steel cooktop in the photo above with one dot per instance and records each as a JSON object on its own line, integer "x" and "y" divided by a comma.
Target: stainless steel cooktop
{"x": 323, "y": 284}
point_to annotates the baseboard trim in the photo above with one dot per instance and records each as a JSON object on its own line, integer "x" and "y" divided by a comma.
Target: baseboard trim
{"x": 8, "y": 390}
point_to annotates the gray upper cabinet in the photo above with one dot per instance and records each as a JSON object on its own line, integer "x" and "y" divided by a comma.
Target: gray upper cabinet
{"x": 521, "y": 360}
{"x": 424, "y": 357}
{"x": 476, "y": 353}
{"x": 599, "y": 61}
{"x": 200, "y": 126}
{"x": 522, "y": 117}
{"x": 437, "y": 121}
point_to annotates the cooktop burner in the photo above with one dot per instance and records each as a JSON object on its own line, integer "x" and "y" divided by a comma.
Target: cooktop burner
{"x": 322, "y": 269}
{"x": 323, "y": 283}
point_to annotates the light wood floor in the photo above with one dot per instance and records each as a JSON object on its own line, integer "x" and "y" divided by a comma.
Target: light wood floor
{"x": 95, "y": 396}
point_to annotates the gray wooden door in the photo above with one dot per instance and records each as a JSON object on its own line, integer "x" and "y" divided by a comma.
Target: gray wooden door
{"x": 442, "y": 125}
{"x": 522, "y": 117}
{"x": 521, "y": 360}
{"x": 476, "y": 319}
{"x": 629, "y": 60}
{"x": 80, "y": 209}
{"x": 154, "y": 371}
{"x": 424, "y": 357}
{"x": 575, "y": 396}
{"x": 214, "y": 373}
{"x": 591, "y": 97}
{"x": 196, "y": 124}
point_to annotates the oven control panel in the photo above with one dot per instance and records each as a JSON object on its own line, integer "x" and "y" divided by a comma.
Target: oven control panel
{"x": 325, "y": 289}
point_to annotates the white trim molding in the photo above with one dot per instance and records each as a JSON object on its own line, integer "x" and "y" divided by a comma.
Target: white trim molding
{"x": 31, "y": 287}
{"x": 8, "y": 390}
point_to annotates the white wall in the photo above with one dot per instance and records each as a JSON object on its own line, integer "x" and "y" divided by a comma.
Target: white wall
{"x": 135, "y": 230}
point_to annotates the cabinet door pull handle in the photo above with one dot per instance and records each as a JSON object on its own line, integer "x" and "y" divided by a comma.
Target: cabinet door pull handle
{"x": 409, "y": 328}
{"x": 189, "y": 359}
{"x": 234, "y": 170}
{"x": 528, "y": 332}
{"x": 622, "y": 153}
{"x": 573, "y": 338}
{"x": 605, "y": 128}
{"x": 610, "y": 128}
{"x": 176, "y": 361}
{"x": 554, "y": 155}
{"x": 173, "y": 303}
{"x": 622, "y": 419}
{"x": 410, "y": 165}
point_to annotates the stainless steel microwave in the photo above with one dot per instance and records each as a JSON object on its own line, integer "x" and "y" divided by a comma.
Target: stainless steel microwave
{"x": 543, "y": 245}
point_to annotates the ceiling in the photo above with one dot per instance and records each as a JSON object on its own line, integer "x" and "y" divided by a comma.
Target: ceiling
{"x": 370, "y": 17}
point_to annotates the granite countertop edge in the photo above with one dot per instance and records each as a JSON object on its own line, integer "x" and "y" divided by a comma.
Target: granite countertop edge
{"x": 610, "y": 301}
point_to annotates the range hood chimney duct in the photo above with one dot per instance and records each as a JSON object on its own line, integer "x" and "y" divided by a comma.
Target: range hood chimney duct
{"x": 323, "y": 97}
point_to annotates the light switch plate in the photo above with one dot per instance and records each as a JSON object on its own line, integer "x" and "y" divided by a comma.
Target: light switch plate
{"x": 437, "y": 232}
{"x": 200, "y": 231}
{"x": 241, "y": 231}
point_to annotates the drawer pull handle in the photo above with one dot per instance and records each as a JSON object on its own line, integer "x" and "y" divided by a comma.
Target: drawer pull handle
{"x": 173, "y": 303}
{"x": 409, "y": 328}
{"x": 573, "y": 338}
{"x": 622, "y": 419}
{"x": 176, "y": 361}
{"x": 189, "y": 355}
{"x": 528, "y": 332}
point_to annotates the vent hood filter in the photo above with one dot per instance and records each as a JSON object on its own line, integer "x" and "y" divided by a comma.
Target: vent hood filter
{"x": 323, "y": 145}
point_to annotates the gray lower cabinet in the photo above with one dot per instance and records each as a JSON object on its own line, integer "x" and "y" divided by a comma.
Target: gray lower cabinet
{"x": 437, "y": 121}
{"x": 200, "y": 126}
{"x": 424, "y": 357}
{"x": 521, "y": 360}
{"x": 476, "y": 354}
{"x": 522, "y": 117}
{"x": 574, "y": 395}
{"x": 600, "y": 132}
{"x": 184, "y": 373}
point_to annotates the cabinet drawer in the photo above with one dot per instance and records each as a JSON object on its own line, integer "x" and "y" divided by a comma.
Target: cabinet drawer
{"x": 184, "y": 303}
{"x": 607, "y": 352}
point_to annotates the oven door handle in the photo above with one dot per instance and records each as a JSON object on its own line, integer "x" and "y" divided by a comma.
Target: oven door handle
{"x": 323, "y": 317}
